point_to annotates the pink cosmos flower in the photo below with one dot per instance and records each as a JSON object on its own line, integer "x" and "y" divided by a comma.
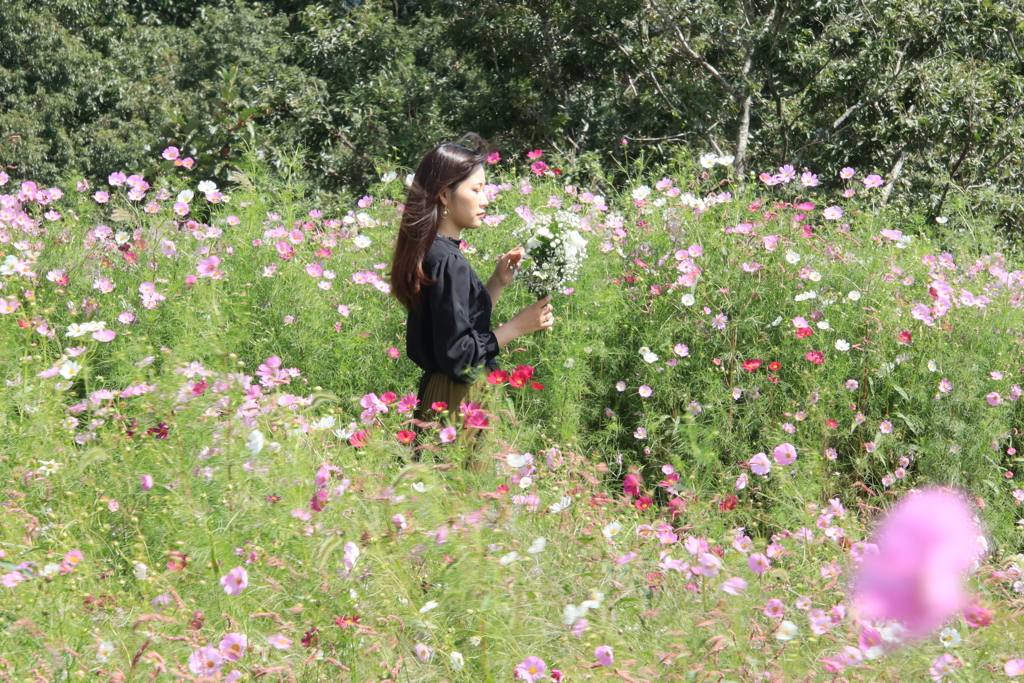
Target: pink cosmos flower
{"x": 977, "y": 616}
{"x": 873, "y": 180}
{"x": 535, "y": 154}
{"x": 104, "y": 335}
{"x": 171, "y": 153}
{"x": 784, "y": 454}
{"x": 925, "y": 546}
{"x": 448, "y": 434}
{"x": 493, "y": 158}
{"x": 833, "y": 213}
{"x": 846, "y": 173}
{"x": 816, "y": 357}
{"x": 994, "y": 399}
{"x": 11, "y": 579}
{"x": 280, "y": 641}
{"x": 180, "y": 208}
{"x": 205, "y": 661}
{"x": 1014, "y": 667}
{"x": 758, "y": 563}
{"x": 235, "y": 581}
{"x": 605, "y": 655}
{"x": 538, "y": 167}
{"x": 531, "y": 669}
{"x": 147, "y": 482}
{"x": 233, "y": 645}
{"x": 101, "y": 197}
{"x": 774, "y": 609}
{"x": 394, "y": 352}
{"x": 760, "y": 464}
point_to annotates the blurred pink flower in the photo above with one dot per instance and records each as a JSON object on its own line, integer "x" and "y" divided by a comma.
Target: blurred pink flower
{"x": 147, "y": 482}
{"x": 235, "y": 581}
{"x": 605, "y": 655}
{"x": 925, "y": 546}
{"x": 785, "y": 454}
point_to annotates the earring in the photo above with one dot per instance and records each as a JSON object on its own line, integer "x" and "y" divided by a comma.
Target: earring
{"x": 444, "y": 211}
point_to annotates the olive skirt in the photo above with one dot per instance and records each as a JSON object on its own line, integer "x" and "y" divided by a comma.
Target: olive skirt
{"x": 438, "y": 387}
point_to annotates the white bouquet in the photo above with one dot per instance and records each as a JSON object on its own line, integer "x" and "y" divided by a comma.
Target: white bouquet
{"x": 555, "y": 251}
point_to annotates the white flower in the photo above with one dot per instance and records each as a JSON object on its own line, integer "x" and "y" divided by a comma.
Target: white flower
{"x": 854, "y": 295}
{"x": 185, "y": 196}
{"x": 823, "y": 325}
{"x": 787, "y": 631}
{"x": 141, "y": 571}
{"x": 562, "y": 504}
{"x": 792, "y": 257}
{"x": 420, "y": 487}
{"x": 775, "y": 323}
{"x": 950, "y": 637}
{"x": 388, "y": 177}
{"x": 70, "y": 369}
{"x": 842, "y": 345}
{"x": 75, "y": 330}
{"x": 409, "y": 178}
{"x": 941, "y": 220}
{"x": 516, "y": 460}
{"x": 256, "y": 441}
{"x": 506, "y": 560}
{"x": 50, "y": 570}
{"x": 611, "y": 530}
{"x": 537, "y": 546}
{"x": 457, "y": 660}
{"x": 207, "y": 186}
{"x": 814, "y": 276}
{"x": 569, "y": 362}
{"x": 362, "y": 241}
{"x": 688, "y": 300}
{"x": 104, "y": 650}
{"x": 932, "y": 366}
{"x": 708, "y": 160}
{"x": 651, "y": 357}
{"x": 642, "y": 192}
{"x": 525, "y": 482}
{"x": 428, "y": 606}
{"x": 726, "y": 160}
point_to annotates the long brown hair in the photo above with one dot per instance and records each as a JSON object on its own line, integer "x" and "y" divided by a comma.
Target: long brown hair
{"x": 446, "y": 165}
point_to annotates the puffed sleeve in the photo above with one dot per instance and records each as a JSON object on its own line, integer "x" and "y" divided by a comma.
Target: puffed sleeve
{"x": 458, "y": 347}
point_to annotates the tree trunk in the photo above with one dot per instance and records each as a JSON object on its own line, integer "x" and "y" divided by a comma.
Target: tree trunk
{"x": 894, "y": 174}
{"x": 739, "y": 164}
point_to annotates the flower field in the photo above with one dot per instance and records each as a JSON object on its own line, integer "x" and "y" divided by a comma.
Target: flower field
{"x": 210, "y": 471}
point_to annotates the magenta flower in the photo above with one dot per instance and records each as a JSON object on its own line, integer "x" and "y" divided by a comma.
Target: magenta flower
{"x": 538, "y": 167}
{"x": 785, "y": 454}
{"x": 208, "y": 268}
{"x": 631, "y": 485}
{"x": 233, "y": 646}
{"x": 605, "y": 655}
{"x": 535, "y": 154}
{"x": 147, "y": 482}
{"x": 977, "y": 616}
{"x": 235, "y": 581}
{"x": 205, "y": 661}
{"x": 925, "y": 546}
{"x": 531, "y": 669}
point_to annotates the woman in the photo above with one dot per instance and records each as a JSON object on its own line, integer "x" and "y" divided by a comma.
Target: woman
{"x": 448, "y": 333}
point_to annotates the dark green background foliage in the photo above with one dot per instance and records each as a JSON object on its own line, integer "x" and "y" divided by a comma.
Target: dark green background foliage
{"x": 927, "y": 93}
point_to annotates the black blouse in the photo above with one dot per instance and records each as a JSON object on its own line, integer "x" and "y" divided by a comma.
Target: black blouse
{"x": 450, "y": 331}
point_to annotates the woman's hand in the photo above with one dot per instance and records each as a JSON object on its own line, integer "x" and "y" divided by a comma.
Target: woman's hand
{"x": 536, "y": 316}
{"x": 506, "y": 267}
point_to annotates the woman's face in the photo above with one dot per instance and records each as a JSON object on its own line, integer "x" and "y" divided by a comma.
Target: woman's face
{"x": 467, "y": 200}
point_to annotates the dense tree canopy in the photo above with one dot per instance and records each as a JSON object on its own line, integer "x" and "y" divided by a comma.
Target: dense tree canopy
{"x": 929, "y": 94}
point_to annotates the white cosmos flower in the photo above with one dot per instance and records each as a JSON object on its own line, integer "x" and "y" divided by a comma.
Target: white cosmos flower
{"x": 793, "y": 257}
{"x": 457, "y": 660}
{"x": 428, "y": 606}
{"x": 537, "y": 546}
{"x": 256, "y": 441}
{"x": 185, "y": 196}
{"x": 842, "y": 345}
{"x": 611, "y": 530}
{"x": 506, "y": 560}
{"x": 562, "y": 504}
{"x": 708, "y": 160}
{"x": 688, "y": 299}
{"x": 823, "y": 325}
{"x": 932, "y": 366}
{"x": 787, "y": 630}
{"x": 70, "y": 369}
{"x": 642, "y": 192}
{"x": 950, "y": 637}
{"x": 854, "y": 295}
{"x": 207, "y": 186}
{"x": 409, "y": 178}
{"x": 362, "y": 241}
{"x": 388, "y": 177}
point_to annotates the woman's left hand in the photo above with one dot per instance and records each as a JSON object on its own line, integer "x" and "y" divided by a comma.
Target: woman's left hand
{"x": 506, "y": 267}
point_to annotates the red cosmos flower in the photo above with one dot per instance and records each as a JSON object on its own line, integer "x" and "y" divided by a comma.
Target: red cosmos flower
{"x": 521, "y": 375}
{"x": 774, "y": 365}
{"x": 729, "y": 503}
{"x": 905, "y": 337}
{"x": 803, "y": 332}
{"x": 438, "y": 406}
{"x": 537, "y": 385}
{"x": 752, "y": 364}
{"x": 347, "y": 621}
{"x": 405, "y": 436}
{"x": 816, "y": 357}
{"x": 503, "y": 489}
{"x": 178, "y": 561}
{"x": 389, "y": 398}
{"x": 498, "y": 377}
{"x": 200, "y": 387}
{"x": 643, "y": 503}
{"x": 360, "y": 438}
{"x": 831, "y": 424}
{"x": 556, "y": 171}
{"x": 476, "y": 421}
